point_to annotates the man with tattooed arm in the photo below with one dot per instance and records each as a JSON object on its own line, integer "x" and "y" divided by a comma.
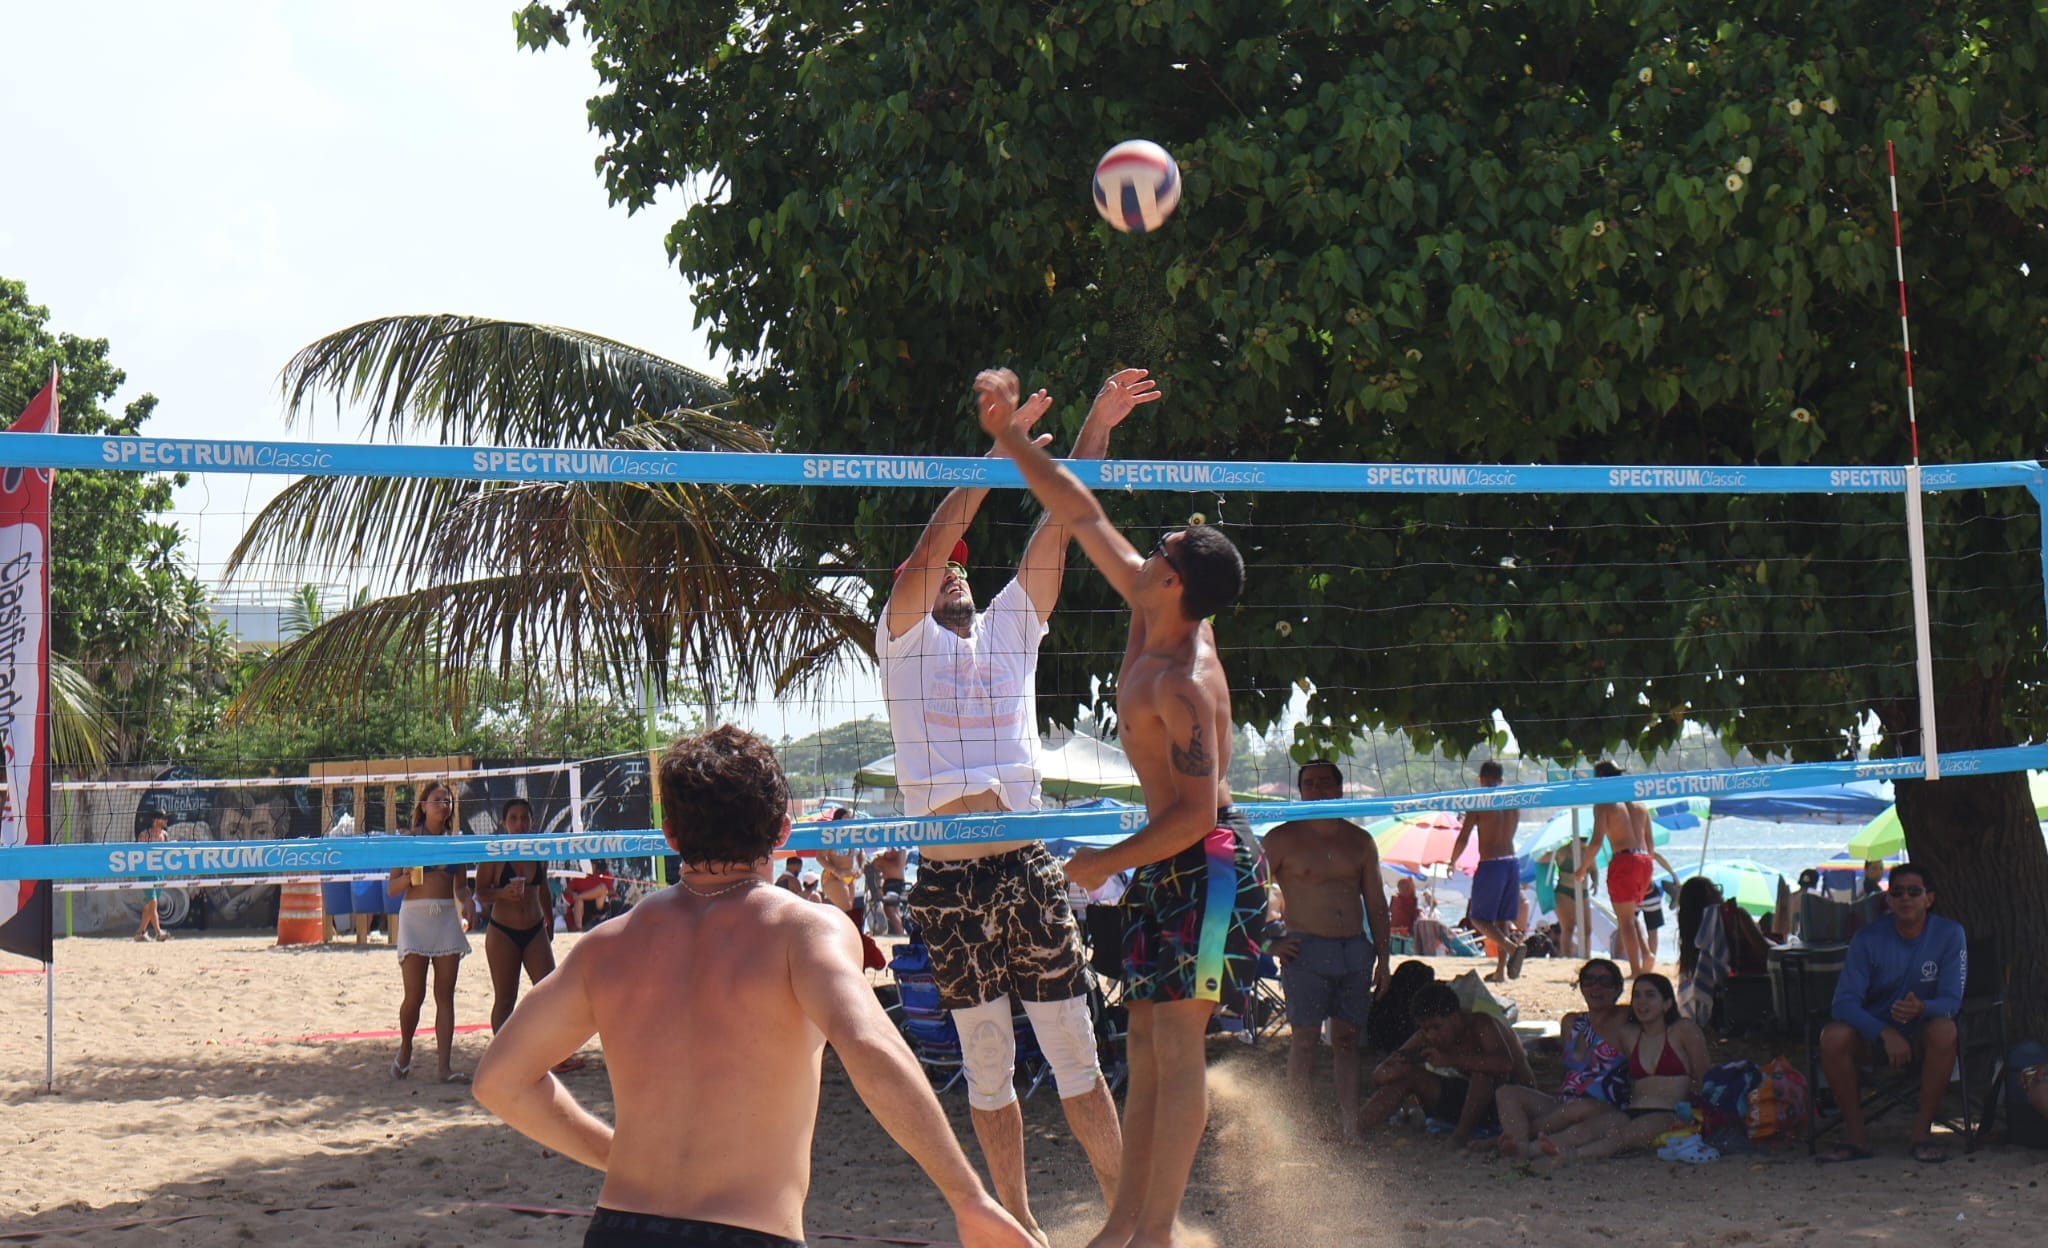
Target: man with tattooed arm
{"x": 1195, "y": 910}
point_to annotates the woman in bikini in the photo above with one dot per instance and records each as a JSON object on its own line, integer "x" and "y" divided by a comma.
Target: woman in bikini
{"x": 1667, "y": 1054}
{"x": 430, "y": 934}
{"x": 1595, "y": 1076}
{"x": 519, "y": 934}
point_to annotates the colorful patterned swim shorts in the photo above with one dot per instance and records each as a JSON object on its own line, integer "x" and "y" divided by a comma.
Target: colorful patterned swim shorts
{"x": 1194, "y": 925}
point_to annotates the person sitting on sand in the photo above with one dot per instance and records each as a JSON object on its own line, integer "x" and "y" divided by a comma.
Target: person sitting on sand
{"x": 1667, "y": 1055}
{"x": 714, "y": 1000}
{"x": 1595, "y": 1074}
{"x": 1451, "y": 1065}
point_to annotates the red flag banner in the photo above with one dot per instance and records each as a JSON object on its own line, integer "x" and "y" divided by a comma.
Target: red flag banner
{"x": 25, "y": 912}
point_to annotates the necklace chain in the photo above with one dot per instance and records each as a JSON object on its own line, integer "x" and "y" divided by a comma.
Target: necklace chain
{"x": 716, "y": 892}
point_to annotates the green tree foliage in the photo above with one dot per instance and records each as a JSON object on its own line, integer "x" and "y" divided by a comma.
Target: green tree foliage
{"x": 826, "y": 759}
{"x": 126, "y": 613}
{"x": 1552, "y": 231}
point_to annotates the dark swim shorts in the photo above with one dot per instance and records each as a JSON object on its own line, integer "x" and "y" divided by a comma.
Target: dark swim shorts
{"x": 612, "y": 1228}
{"x": 999, "y": 925}
{"x": 1194, "y": 924}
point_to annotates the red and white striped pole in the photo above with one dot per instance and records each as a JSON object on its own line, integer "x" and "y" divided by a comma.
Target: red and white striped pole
{"x": 1916, "y": 526}
{"x": 1905, "y": 335}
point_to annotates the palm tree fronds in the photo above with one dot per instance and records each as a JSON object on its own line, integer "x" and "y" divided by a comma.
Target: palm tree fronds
{"x": 82, "y": 731}
{"x": 480, "y": 380}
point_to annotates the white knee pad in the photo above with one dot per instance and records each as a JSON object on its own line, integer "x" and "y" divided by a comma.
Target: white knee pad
{"x": 988, "y": 1053}
{"x": 1066, "y": 1035}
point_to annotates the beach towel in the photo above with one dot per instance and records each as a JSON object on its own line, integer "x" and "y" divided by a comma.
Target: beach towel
{"x": 1696, "y": 994}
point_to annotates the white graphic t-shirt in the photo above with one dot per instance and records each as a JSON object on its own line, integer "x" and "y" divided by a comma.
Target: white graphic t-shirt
{"x": 964, "y": 710}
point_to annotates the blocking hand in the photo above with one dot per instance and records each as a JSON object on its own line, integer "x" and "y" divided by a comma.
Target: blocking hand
{"x": 1123, "y": 392}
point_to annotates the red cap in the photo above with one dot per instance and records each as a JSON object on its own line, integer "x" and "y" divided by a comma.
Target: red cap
{"x": 959, "y": 557}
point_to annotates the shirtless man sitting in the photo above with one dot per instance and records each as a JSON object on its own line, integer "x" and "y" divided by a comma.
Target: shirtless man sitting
{"x": 1328, "y": 871}
{"x": 1497, "y": 884}
{"x": 1482, "y": 1049}
{"x": 714, "y": 1001}
{"x": 1624, "y": 827}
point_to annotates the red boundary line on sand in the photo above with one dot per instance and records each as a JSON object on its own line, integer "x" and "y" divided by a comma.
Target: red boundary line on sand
{"x": 26, "y": 970}
{"x": 330, "y": 1038}
{"x": 551, "y": 1211}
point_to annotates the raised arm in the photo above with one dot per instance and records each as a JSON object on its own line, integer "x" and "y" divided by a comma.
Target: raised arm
{"x": 1067, "y": 502}
{"x": 1044, "y": 564}
{"x": 910, "y": 599}
{"x": 834, "y": 994}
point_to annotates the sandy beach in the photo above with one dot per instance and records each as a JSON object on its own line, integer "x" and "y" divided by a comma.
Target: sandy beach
{"x": 217, "y": 1089}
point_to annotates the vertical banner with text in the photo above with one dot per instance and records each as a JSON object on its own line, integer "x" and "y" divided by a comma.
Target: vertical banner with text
{"x": 25, "y": 912}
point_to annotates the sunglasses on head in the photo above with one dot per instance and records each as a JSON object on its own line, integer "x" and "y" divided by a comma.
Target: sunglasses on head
{"x": 1161, "y": 551}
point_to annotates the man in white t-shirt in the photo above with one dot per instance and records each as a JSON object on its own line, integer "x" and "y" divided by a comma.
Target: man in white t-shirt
{"x": 963, "y": 708}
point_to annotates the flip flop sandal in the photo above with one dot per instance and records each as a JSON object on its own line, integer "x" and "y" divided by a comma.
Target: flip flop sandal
{"x": 1847, "y": 1152}
{"x": 1927, "y": 1152}
{"x": 398, "y": 1071}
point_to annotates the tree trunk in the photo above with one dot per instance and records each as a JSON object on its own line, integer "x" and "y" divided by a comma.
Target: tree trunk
{"x": 1980, "y": 839}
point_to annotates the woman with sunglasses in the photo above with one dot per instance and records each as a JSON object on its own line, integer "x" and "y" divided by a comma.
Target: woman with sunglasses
{"x": 1594, "y": 1066}
{"x": 430, "y": 934}
{"x": 1667, "y": 1054}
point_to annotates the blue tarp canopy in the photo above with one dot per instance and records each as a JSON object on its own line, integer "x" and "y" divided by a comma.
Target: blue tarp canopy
{"x": 1857, "y": 802}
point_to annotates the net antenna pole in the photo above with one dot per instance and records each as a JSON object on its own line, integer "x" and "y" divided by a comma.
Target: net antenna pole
{"x": 1916, "y": 525}
{"x": 576, "y": 798}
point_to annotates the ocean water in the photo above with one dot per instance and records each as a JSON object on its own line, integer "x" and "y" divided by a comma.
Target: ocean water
{"x": 1787, "y": 848}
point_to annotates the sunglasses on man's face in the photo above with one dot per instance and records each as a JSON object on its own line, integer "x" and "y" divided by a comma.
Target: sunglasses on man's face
{"x": 1909, "y": 892}
{"x": 1600, "y": 981}
{"x": 1161, "y": 551}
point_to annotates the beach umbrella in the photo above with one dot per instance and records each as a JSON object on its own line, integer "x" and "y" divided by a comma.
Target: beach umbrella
{"x": 1880, "y": 838}
{"x": 1748, "y": 884}
{"x": 1423, "y": 840}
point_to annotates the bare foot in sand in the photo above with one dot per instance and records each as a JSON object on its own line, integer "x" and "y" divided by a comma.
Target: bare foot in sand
{"x": 1509, "y": 1146}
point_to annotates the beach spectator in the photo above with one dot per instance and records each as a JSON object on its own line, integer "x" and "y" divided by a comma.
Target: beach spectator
{"x": 1328, "y": 873}
{"x": 1404, "y": 908}
{"x": 792, "y": 877}
{"x": 152, "y": 924}
{"x": 810, "y": 889}
{"x": 1496, "y": 906}
{"x": 714, "y": 1001}
{"x": 1896, "y": 1002}
{"x": 588, "y": 889}
{"x": 1595, "y": 1069}
{"x": 890, "y": 866}
{"x": 430, "y": 936}
{"x": 1569, "y": 885}
{"x": 1872, "y": 884}
{"x": 1667, "y": 1055}
{"x": 841, "y": 867}
{"x": 1695, "y": 897}
{"x": 519, "y": 909}
{"x": 1625, "y": 828}
{"x": 1652, "y": 910}
{"x": 1481, "y": 1050}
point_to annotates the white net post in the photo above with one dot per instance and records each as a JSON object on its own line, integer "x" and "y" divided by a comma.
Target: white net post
{"x": 1916, "y": 550}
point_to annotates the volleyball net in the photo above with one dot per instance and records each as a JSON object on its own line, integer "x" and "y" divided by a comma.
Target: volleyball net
{"x": 1505, "y": 611}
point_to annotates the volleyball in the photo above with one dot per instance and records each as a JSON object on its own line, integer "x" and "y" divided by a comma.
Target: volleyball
{"x": 1136, "y": 186}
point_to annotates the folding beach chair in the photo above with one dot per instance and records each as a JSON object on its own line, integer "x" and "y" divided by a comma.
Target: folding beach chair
{"x": 1979, "y": 1072}
{"x": 926, "y": 1025}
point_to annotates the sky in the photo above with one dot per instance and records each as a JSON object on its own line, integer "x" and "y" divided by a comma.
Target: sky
{"x": 212, "y": 187}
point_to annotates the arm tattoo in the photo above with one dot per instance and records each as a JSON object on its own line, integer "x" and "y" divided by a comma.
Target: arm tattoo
{"x": 1194, "y": 760}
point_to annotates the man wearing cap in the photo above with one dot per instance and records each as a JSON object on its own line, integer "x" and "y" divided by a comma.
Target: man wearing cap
{"x": 961, "y": 686}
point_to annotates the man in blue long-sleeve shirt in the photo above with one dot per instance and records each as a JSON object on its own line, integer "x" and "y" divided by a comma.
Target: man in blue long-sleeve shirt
{"x": 1898, "y": 996}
